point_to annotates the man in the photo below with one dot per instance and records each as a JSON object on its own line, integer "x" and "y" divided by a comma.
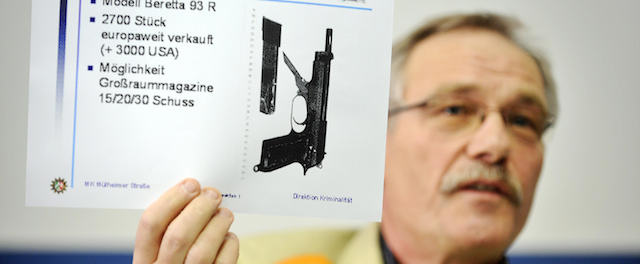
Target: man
{"x": 469, "y": 106}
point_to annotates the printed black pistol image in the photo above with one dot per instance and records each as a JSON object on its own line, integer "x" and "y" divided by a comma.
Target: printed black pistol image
{"x": 270, "y": 45}
{"x": 305, "y": 147}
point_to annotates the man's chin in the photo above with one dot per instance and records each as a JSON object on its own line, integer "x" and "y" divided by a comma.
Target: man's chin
{"x": 482, "y": 219}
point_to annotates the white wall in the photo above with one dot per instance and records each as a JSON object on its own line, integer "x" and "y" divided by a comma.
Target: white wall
{"x": 587, "y": 197}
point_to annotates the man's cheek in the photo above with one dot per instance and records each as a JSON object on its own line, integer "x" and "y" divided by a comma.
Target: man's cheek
{"x": 528, "y": 164}
{"x": 528, "y": 169}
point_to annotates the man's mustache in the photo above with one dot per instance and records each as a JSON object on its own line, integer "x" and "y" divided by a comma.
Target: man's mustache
{"x": 476, "y": 171}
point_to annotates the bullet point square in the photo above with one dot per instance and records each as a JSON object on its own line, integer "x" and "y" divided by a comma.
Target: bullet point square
{"x": 90, "y": 67}
{"x": 92, "y": 19}
{"x": 93, "y": 1}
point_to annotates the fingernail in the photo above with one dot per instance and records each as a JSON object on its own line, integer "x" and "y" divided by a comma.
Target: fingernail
{"x": 211, "y": 194}
{"x": 190, "y": 186}
{"x": 225, "y": 212}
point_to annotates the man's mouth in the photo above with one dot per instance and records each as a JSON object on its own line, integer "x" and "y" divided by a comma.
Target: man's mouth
{"x": 494, "y": 187}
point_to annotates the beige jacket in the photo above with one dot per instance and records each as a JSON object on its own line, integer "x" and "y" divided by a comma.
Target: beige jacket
{"x": 316, "y": 246}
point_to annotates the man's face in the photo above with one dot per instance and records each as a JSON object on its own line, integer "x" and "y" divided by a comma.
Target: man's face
{"x": 465, "y": 176}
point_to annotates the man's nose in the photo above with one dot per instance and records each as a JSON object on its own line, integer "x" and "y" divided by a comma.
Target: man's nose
{"x": 490, "y": 143}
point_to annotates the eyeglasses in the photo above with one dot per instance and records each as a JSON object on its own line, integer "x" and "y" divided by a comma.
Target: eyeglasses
{"x": 458, "y": 114}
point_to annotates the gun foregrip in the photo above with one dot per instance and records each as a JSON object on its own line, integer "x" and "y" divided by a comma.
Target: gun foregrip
{"x": 282, "y": 151}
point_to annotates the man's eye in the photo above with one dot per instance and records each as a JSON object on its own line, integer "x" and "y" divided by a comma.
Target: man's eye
{"x": 521, "y": 121}
{"x": 456, "y": 110}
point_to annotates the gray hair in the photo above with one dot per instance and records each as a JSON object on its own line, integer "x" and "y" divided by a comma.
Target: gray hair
{"x": 504, "y": 25}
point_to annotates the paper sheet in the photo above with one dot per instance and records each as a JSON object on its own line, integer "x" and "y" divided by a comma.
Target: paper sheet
{"x": 281, "y": 105}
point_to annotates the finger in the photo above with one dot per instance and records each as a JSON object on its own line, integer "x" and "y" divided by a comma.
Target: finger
{"x": 229, "y": 251}
{"x": 157, "y": 216}
{"x": 206, "y": 247}
{"x": 186, "y": 227}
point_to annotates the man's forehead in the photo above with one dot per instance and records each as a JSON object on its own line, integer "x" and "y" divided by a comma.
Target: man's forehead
{"x": 467, "y": 40}
{"x": 472, "y": 59}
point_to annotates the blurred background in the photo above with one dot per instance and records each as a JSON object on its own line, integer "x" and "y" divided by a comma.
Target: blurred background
{"x": 587, "y": 204}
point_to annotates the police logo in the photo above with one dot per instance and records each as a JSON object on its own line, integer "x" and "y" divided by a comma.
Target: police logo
{"x": 58, "y": 185}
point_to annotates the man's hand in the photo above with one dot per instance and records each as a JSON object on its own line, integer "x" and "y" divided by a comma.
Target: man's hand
{"x": 185, "y": 225}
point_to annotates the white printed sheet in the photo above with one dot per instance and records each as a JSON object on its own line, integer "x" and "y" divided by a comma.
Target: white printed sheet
{"x": 281, "y": 105}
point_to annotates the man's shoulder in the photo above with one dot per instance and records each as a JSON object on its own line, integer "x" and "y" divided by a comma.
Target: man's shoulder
{"x": 321, "y": 245}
